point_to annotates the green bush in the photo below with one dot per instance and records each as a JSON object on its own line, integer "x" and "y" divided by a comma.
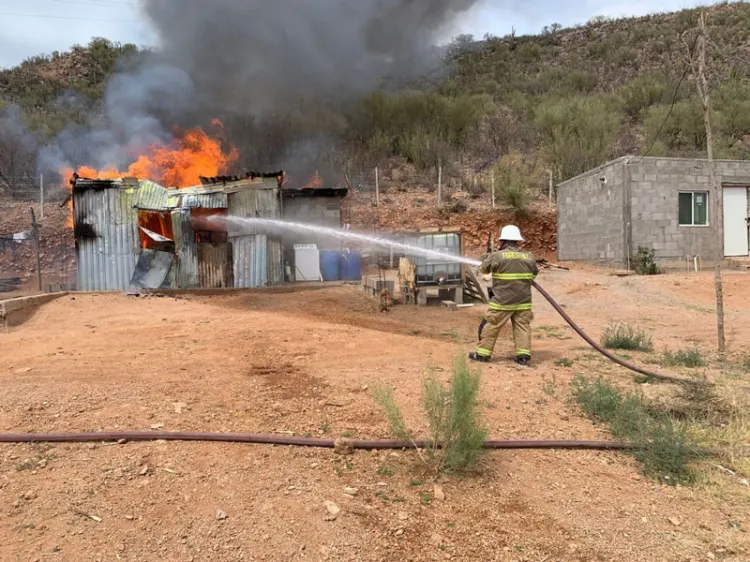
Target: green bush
{"x": 662, "y": 446}
{"x": 582, "y": 81}
{"x": 644, "y": 262}
{"x": 514, "y": 194}
{"x": 626, "y": 338}
{"x": 643, "y": 92}
{"x": 682, "y": 129}
{"x": 457, "y": 433}
{"x": 577, "y": 133}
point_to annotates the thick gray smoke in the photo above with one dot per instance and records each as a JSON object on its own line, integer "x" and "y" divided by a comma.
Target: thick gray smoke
{"x": 261, "y": 55}
{"x": 137, "y": 106}
{"x": 255, "y": 60}
{"x": 18, "y": 148}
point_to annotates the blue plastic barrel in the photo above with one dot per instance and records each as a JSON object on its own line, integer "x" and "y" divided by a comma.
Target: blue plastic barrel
{"x": 351, "y": 266}
{"x": 329, "y": 265}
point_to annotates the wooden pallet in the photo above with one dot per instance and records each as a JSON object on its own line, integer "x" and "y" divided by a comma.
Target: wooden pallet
{"x": 473, "y": 288}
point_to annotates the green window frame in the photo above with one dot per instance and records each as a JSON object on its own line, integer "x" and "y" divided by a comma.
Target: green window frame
{"x": 693, "y": 208}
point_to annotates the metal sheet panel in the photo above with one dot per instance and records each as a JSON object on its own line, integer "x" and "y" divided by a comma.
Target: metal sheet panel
{"x": 192, "y": 201}
{"x": 275, "y": 263}
{"x": 249, "y": 203}
{"x": 213, "y": 266}
{"x": 152, "y": 270}
{"x": 186, "y": 250}
{"x": 152, "y": 196}
{"x": 250, "y": 261}
{"x": 106, "y": 228}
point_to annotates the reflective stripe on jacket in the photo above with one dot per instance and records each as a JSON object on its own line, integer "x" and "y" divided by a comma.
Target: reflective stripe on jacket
{"x": 512, "y": 271}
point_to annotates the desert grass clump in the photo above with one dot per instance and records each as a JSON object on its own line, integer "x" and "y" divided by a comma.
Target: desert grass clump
{"x": 691, "y": 358}
{"x": 626, "y": 338}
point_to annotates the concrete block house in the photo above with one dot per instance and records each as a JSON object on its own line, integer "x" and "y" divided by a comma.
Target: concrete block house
{"x": 665, "y": 204}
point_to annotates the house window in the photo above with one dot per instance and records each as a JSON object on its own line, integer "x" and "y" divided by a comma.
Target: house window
{"x": 693, "y": 208}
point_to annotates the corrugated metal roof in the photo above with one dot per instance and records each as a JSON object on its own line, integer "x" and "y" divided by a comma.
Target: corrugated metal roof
{"x": 108, "y": 242}
{"x": 152, "y": 197}
{"x": 179, "y": 199}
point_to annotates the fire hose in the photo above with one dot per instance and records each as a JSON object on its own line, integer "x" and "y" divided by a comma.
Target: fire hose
{"x": 596, "y": 346}
{"x": 600, "y": 349}
{"x": 343, "y": 444}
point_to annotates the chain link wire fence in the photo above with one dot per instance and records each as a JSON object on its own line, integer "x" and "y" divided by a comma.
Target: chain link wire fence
{"x": 47, "y": 198}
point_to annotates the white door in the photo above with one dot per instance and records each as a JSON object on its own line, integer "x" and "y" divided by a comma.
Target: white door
{"x": 735, "y": 222}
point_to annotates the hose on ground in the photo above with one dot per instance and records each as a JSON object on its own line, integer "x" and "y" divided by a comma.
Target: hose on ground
{"x": 354, "y": 444}
{"x": 600, "y": 349}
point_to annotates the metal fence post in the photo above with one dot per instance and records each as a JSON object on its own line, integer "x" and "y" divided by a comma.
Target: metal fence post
{"x": 41, "y": 196}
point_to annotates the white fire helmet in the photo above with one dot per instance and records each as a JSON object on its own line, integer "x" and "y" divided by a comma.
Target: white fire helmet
{"x": 511, "y": 233}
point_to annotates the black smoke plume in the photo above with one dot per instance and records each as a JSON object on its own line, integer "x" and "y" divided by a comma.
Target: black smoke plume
{"x": 264, "y": 66}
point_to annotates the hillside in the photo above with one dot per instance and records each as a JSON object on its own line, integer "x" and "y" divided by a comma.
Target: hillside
{"x": 564, "y": 100}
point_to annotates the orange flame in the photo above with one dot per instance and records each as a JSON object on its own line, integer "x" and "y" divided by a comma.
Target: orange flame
{"x": 180, "y": 164}
{"x": 315, "y": 181}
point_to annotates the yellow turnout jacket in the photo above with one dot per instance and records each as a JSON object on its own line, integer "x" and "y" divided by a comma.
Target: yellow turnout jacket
{"x": 512, "y": 271}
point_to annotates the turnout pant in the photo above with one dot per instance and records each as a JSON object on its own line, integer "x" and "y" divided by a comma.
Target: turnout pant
{"x": 495, "y": 320}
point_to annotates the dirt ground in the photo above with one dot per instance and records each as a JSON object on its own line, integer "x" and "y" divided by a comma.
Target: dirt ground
{"x": 304, "y": 363}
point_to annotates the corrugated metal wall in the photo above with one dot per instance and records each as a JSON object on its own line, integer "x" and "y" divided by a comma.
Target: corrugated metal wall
{"x": 257, "y": 261}
{"x": 108, "y": 240}
{"x": 108, "y": 243}
{"x": 214, "y": 266}
{"x": 275, "y": 263}
{"x": 263, "y": 203}
{"x": 250, "y": 261}
{"x": 186, "y": 249}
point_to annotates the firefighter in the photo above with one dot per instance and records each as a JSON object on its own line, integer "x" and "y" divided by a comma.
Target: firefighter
{"x": 512, "y": 270}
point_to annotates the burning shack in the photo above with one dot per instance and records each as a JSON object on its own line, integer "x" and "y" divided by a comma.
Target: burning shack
{"x": 138, "y": 234}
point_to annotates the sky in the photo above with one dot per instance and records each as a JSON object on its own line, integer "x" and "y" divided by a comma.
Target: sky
{"x": 34, "y": 27}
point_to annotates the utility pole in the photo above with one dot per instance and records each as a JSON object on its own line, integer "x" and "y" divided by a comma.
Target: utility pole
{"x": 698, "y": 68}
{"x": 697, "y": 62}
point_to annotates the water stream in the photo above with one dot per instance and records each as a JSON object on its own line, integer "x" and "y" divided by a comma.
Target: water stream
{"x": 252, "y": 225}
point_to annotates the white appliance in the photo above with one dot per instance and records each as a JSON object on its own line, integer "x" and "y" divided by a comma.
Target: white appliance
{"x": 307, "y": 262}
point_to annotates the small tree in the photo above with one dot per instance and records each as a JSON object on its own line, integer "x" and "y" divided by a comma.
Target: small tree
{"x": 513, "y": 187}
{"x": 457, "y": 433}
